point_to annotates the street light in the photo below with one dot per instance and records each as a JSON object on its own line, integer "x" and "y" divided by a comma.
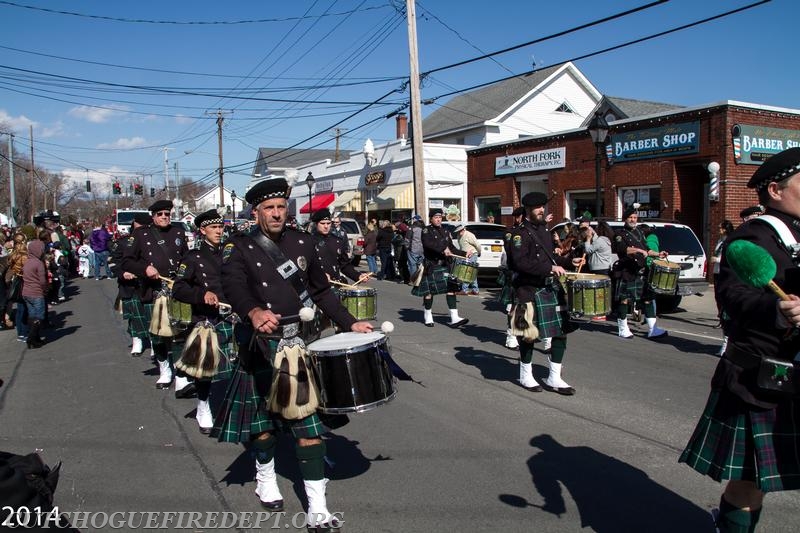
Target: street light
{"x": 310, "y": 182}
{"x": 598, "y": 129}
{"x": 233, "y": 202}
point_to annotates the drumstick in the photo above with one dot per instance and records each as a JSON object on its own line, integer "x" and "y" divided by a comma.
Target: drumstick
{"x": 168, "y": 281}
{"x": 359, "y": 279}
{"x": 306, "y": 314}
{"x": 343, "y": 284}
{"x": 583, "y": 260}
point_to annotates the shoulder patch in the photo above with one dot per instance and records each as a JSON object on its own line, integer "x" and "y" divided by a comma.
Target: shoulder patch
{"x": 508, "y": 236}
{"x": 618, "y": 238}
{"x": 182, "y": 270}
{"x": 517, "y": 241}
{"x": 227, "y": 250}
{"x": 425, "y": 230}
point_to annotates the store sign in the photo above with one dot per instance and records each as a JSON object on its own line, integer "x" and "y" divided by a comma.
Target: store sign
{"x": 677, "y": 139}
{"x": 530, "y": 161}
{"x": 755, "y": 144}
{"x": 375, "y": 178}
{"x": 324, "y": 186}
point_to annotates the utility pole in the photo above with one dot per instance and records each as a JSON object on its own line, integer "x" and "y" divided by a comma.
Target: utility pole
{"x": 178, "y": 202}
{"x": 220, "y": 119}
{"x": 166, "y": 169}
{"x": 337, "y": 132}
{"x": 416, "y": 115}
{"x": 33, "y": 181}
{"x": 12, "y": 193}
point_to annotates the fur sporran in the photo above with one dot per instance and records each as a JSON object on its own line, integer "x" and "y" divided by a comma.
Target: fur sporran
{"x": 293, "y": 394}
{"x": 523, "y": 323}
{"x": 159, "y": 320}
{"x": 201, "y": 354}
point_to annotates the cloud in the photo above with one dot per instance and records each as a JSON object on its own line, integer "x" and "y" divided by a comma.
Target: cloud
{"x": 183, "y": 119}
{"x": 97, "y": 115}
{"x": 16, "y": 124}
{"x": 125, "y": 143}
{"x": 55, "y": 130}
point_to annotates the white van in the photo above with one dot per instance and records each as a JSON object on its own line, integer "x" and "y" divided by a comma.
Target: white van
{"x": 684, "y": 248}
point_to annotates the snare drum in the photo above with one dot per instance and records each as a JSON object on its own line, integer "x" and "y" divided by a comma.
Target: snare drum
{"x": 362, "y": 303}
{"x": 463, "y": 271}
{"x": 663, "y": 277}
{"x": 351, "y": 372}
{"x": 180, "y": 314}
{"x": 588, "y": 295}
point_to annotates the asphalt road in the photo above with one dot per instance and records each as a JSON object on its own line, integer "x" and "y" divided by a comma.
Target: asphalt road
{"x": 465, "y": 450}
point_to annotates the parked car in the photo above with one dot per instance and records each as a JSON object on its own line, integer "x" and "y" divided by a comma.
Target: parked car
{"x": 491, "y": 238}
{"x": 356, "y": 237}
{"x": 684, "y": 248}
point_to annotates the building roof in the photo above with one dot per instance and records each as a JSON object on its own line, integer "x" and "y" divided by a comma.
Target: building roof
{"x": 630, "y": 108}
{"x": 269, "y": 158}
{"x": 478, "y": 106}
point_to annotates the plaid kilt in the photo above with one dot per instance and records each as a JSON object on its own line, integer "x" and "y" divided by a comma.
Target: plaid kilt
{"x": 631, "y": 290}
{"x": 435, "y": 280}
{"x": 507, "y": 294}
{"x": 244, "y": 413}
{"x": 734, "y": 440}
{"x": 134, "y": 312}
{"x": 550, "y": 320}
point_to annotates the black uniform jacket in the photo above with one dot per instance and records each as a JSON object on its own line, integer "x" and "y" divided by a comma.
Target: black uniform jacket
{"x": 200, "y": 271}
{"x": 435, "y": 240}
{"x": 251, "y": 279}
{"x": 629, "y": 266}
{"x": 162, "y": 248}
{"x": 332, "y": 253}
{"x": 756, "y": 326}
{"x": 128, "y": 288}
{"x": 531, "y": 254}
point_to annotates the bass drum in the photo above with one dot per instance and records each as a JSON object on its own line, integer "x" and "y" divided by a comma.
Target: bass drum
{"x": 351, "y": 372}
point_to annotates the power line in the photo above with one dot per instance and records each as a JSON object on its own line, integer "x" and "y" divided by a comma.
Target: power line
{"x": 184, "y": 23}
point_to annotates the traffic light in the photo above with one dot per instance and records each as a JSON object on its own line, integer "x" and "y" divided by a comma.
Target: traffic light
{"x": 138, "y": 189}
{"x": 116, "y": 188}
{"x": 88, "y": 186}
{"x": 152, "y": 192}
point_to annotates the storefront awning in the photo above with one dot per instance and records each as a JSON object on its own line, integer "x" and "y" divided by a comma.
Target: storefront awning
{"x": 343, "y": 199}
{"x": 318, "y": 201}
{"x": 393, "y": 197}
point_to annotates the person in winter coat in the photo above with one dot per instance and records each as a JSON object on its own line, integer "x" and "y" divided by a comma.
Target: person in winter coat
{"x": 34, "y": 288}
{"x": 371, "y": 247}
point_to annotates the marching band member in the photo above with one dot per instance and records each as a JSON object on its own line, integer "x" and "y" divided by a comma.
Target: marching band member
{"x": 154, "y": 251}
{"x": 269, "y": 275}
{"x": 532, "y": 257}
{"x": 332, "y": 250}
{"x": 199, "y": 283}
{"x": 506, "y": 296}
{"x": 438, "y": 249}
{"x": 630, "y": 270}
{"x": 128, "y": 283}
{"x": 748, "y": 433}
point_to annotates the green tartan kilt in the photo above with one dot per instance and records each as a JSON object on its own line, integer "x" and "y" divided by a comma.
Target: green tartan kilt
{"x": 632, "y": 291}
{"x": 551, "y": 311}
{"x": 507, "y": 295}
{"x": 734, "y": 440}
{"x": 244, "y": 413}
{"x": 435, "y": 280}
{"x": 134, "y": 312}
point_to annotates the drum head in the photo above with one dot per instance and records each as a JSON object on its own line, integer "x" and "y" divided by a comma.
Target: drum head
{"x": 348, "y": 341}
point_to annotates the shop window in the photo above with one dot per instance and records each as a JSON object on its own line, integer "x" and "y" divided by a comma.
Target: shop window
{"x": 488, "y": 209}
{"x": 648, "y": 198}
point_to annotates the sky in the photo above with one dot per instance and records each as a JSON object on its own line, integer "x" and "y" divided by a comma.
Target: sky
{"x": 107, "y": 86}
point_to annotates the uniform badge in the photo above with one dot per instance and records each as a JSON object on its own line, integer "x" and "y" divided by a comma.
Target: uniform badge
{"x": 182, "y": 270}
{"x": 508, "y": 236}
{"x": 517, "y": 241}
{"x": 227, "y": 250}
{"x": 178, "y": 241}
{"x": 302, "y": 263}
{"x": 618, "y": 238}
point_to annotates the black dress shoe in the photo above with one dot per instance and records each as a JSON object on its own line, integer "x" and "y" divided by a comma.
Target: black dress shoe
{"x": 429, "y": 324}
{"x": 273, "y": 507}
{"x": 188, "y": 391}
{"x": 205, "y": 431}
{"x": 564, "y": 391}
{"x": 459, "y": 323}
{"x": 327, "y": 527}
{"x": 162, "y": 386}
{"x": 535, "y": 388}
